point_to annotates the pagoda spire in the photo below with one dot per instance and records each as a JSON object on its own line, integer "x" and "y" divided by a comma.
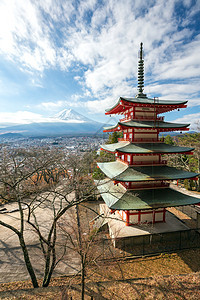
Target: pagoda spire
{"x": 141, "y": 73}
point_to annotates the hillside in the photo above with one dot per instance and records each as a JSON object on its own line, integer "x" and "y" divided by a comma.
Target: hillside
{"x": 135, "y": 279}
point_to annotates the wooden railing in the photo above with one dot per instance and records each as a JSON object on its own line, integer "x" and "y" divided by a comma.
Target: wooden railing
{"x": 142, "y": 140}
{"x": 143, "y": 163}
{"x": 149, "y": 163}
{"x": 123, "y": 140}
{"x": 150, "y": 186}
{"x": 142, "y": 118}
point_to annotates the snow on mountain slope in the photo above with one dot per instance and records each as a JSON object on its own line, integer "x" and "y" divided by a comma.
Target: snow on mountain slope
{"x": 66, "y": 122}
{"x": 71, "y": 116}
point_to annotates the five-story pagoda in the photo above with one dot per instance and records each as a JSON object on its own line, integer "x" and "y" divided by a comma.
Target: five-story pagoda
{"x": 137, "y": 184}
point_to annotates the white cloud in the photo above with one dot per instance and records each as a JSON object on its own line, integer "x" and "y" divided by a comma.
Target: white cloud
{"x": 111, "y": 52}
{"x": 21, "y": 117}
{"x": 184, "y": 64}
{"x": 102, "y": 39}
{"x": 52, "y": 105}
{"x": 194, "y": 102}
{"x": 181, "y": 90}
{"x": 192, "y": 119}
{"x": 27, "y": 37}
{"x": 27, "y": 117}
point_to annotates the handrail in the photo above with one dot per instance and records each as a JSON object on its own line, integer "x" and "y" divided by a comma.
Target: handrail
{"x": 142, "y": 118}
{"x": 142, "y": 140}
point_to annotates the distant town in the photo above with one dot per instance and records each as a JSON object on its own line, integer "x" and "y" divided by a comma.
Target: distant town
{"x": 72, "y": 144}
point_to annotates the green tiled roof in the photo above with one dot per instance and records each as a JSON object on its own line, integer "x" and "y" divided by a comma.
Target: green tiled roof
{"x": 122, "y": 172}
{"x": 148, "y": 101}
{"x": 148, "y": 124}
{"x": 127, "y": 147}
{"x": 116, "y": 197}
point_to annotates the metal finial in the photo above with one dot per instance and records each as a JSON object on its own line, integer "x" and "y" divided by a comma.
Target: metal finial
{"x": 141, "y": 50}
{"x": 141, "y": 73}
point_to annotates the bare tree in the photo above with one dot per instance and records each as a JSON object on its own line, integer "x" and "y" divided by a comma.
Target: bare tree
{"x": 22, "y": 173}
{"x": 84, "y": 239}
{"x": 18, "y": 170}
{"x": 186, "y": 162}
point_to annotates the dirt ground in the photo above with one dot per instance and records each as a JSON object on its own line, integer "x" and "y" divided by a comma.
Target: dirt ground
{"x": 12, "y": 264}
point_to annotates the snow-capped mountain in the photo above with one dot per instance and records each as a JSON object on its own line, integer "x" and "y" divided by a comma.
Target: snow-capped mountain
{"x": 66, "y": 122}
{"x": 71, "y": 116}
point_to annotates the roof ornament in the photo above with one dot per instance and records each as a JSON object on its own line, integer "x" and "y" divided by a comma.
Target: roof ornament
{"x": 141, "y": 74}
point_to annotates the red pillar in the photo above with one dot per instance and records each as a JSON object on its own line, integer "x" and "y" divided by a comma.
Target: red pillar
{"x": 127, "y": 218}
{"x": 131, "y": 160}
{"x": 139, "y": 216}
{"x": 164, "y": 215}
{"x": 154, "y": 216}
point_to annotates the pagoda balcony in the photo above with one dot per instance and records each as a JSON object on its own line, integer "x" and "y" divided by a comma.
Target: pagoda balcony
{"x": 125, "y": 119}
{"x": 145, "y": 140}
{"x": 160, "y": 140}
{"x": 123, "y": 139}
{"x": 149, "y": 163}
{"x": 142, "y": 118}
{"x": 160, "y": 118}
{"x": 143, "y": 163}
{"x": 146, "y": 186}
{"x": 141, "y": 140}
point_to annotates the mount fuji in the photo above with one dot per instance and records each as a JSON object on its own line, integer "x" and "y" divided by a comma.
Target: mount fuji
{"x": 66, "y": 122}
{"x": 71, "y": 116}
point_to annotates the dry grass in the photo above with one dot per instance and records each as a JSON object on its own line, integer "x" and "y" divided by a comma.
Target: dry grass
{"x": 132, "y": 279}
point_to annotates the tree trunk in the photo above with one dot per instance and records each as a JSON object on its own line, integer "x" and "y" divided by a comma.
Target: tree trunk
{"x": 28, "y": 262}
{"x": 80, "y": 251}
{"x": 198, "y": 185}
{"x": 82, "y": 278}
{"x": 49, "y": 269}
{"x": 198, "y": 181}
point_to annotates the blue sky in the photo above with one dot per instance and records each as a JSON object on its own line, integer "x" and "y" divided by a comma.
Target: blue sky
{"x": 57, "y": 54}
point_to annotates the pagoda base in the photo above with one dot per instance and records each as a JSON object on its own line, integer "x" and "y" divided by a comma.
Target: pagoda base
{"x": 135, "y": 234}
{"x": 132, "y": 217}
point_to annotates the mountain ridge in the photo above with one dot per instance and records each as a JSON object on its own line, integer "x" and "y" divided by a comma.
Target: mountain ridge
{"x": 66, "y": 122}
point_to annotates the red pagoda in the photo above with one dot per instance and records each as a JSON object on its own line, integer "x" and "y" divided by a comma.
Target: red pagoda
{"x": 137, "y": 183}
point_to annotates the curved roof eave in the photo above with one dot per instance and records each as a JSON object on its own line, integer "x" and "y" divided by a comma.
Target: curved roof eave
{"x": 154, "y": 101}
{"x": 146, "y": 148}
{"x": 149, "y": 101}
{"x": 152, "y": 124}
{"x": 116, "y": 197}
{"x": 124, "y": 173}
{"x": 148, "y": 125}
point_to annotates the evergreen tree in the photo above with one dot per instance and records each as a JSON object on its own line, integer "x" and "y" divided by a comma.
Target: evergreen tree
{"x": 113, "y": 137}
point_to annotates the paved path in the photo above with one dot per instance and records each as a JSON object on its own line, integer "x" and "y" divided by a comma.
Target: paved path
{"x": 190, "y": 210}
{"x": 12, "y": 267}
{"x": 184, "y": 191}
